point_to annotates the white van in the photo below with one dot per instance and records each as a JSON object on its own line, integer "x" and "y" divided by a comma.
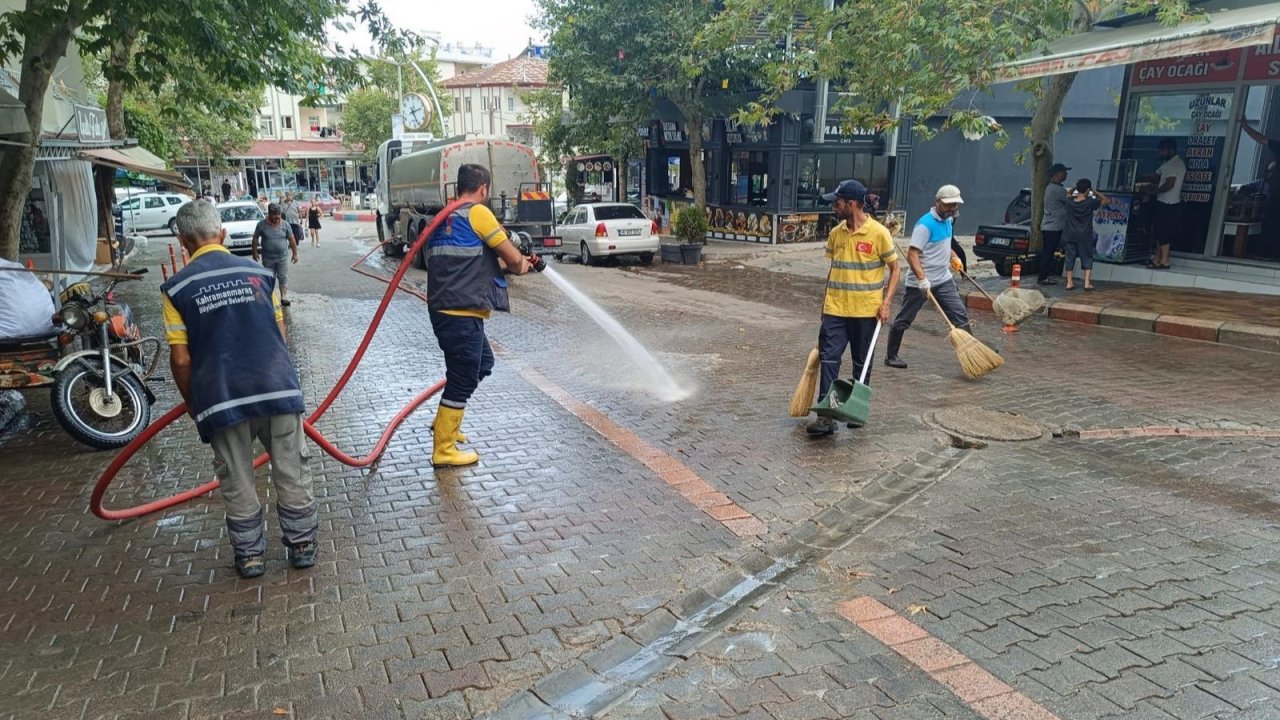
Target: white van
{"x": 152, "y": 211}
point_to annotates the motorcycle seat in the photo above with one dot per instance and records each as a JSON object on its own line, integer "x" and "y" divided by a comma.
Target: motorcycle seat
{"x": 28, "y": 342}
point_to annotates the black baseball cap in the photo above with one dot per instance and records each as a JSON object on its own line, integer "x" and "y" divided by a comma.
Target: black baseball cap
{"x": 1057, "y": 168}
{"x": 848, "y": 190}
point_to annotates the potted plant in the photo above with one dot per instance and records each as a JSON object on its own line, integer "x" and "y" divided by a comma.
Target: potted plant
{"x": 690, "y": 225}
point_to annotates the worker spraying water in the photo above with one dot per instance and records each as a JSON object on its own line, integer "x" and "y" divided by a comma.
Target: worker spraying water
{"x": 467, "y": 285}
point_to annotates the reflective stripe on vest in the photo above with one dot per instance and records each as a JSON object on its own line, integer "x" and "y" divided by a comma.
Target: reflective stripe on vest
{"x": 855, "y": 287}
{"x": 240, "y": 402}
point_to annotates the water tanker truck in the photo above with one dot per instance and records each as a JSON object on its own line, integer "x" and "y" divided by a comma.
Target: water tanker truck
{"x": 416, "y": 180}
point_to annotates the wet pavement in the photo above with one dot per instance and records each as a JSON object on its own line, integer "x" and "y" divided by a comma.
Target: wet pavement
{"x": 616, "y": 556}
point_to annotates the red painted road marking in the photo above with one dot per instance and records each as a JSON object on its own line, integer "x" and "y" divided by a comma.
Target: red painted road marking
{"x": 672, "y": 471}
{"x": 977, "y": 688}
{"x": 1173, "y": 431}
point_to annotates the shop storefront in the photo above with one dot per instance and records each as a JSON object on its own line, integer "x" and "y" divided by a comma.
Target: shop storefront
{"x": 1212, "y": 88}
{"x": 764, "y": 183}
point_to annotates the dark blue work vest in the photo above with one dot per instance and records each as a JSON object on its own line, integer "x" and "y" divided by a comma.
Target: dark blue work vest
{"x": 462, "y": 271}
{"x": 240, "y": 367}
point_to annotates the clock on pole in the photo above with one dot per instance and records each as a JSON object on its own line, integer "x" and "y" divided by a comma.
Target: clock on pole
{"x": 416, "y": 111}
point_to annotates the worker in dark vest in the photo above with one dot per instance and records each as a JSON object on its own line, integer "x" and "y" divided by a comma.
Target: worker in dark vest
{"x": 227, "y": 351}
{"x": 465, "y": 285}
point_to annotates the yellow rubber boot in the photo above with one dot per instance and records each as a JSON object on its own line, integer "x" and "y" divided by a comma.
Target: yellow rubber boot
{"x": 445, "y": 434}
{"x": 460, "y": 437}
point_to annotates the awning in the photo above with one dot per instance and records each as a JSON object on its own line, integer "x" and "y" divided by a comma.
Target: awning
{"x": 137, "y": 160}
{"x": 13, "y": 115}
{"x": 1221, "y": 30}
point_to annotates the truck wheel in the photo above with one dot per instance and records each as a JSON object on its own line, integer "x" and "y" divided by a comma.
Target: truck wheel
{"x": 382, "y": 230}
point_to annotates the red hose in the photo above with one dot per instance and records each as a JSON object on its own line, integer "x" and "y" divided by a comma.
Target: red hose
{"x": 127, "y": 453}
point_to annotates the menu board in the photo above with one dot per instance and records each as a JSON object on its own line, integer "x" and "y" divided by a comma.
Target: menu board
{"x": 1203, "y": 154}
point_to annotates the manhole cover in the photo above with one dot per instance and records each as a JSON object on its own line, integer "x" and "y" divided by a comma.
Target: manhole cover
{"x": 986, "y": 424}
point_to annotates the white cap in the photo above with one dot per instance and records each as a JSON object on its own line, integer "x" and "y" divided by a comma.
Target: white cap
{"x": 950, "y": 194}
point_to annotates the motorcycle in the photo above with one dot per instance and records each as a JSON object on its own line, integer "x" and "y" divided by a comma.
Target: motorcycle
{"x": 95, "y": 364}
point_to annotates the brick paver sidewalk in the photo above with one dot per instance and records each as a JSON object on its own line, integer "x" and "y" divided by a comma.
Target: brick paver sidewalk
{"x": 580, "y": 567}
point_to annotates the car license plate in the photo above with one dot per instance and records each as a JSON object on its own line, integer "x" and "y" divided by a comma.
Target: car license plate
{"x": 628, "y": 232}
{"x": 998, "y": 241}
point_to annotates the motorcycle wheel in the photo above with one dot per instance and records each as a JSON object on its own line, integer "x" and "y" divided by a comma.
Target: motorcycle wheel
{"x": 84, "y": 412}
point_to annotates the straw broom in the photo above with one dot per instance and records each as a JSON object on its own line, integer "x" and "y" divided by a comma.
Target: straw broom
{"x": 975, "y": 358}
{"x": 806, "y": 391}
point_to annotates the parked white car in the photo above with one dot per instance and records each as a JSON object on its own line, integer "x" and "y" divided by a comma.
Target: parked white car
{"x": 240, "y": 218}
{"x": 152, "y": 211}
{"x": 597, "y": 230}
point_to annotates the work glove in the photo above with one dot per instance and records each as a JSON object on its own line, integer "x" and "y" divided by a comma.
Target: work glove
{"x": 924, "y": 285}
{"x": 956, "y": 264}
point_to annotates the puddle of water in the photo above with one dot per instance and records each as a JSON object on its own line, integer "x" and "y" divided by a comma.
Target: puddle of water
{"x": 654, "y": 378}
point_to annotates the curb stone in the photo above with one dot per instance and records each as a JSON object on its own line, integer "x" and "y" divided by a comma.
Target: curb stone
{"x": 1246, "y": 335}
{"x": 341, "y": 216}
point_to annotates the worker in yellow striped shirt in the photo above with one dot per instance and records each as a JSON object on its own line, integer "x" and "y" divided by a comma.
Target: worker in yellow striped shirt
{"x": 860, "y": 285}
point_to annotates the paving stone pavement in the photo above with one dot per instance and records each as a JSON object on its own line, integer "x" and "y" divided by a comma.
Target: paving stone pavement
{"x": 1126, "y": 577}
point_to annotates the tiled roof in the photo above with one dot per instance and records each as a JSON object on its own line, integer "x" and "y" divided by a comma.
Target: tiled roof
{"x": 521, "y": 72}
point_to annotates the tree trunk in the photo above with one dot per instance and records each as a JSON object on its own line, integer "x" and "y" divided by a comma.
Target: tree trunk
{"x": 697, "y": 166}
{"x": 1044, "y": 126}
{"x": 42, "y": 48}
{"x": 117, "y": 63}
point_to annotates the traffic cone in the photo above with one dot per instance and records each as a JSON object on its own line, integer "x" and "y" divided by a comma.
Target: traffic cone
{"x": 1015, "y": 280}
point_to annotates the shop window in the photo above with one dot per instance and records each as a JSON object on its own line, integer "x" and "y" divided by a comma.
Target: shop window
{"x": 1250, "y": 226}
{"x": 34, "y": 238}
{"x": 749, "y": 178}
{"x": 821, "y": 173}
{"x": 1198, "y": 125}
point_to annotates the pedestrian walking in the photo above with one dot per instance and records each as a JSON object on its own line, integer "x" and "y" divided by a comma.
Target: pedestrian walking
{"x": 228, "y": 357}
{"x": 860, "y": 285}
{"x": 1078, "y": 239}
{"x": 275, "y": 245}
{"x": 313, "y": 224}
{"x": 263, "y": 204}
{"x": 289, "y": 208}
{"x": 931, "y": 261}
{"x": 467, "y": 285}
{"x": 226, "y": 190}
{"x": 1168, "y": 205}
{"x": 1053, "y": 221}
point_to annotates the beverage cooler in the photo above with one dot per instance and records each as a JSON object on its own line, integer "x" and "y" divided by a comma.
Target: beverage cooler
{"x": 1122, "y": 230}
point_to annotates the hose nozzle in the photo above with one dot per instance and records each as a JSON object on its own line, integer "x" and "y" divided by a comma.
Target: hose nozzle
{"x": 537, "y": 263}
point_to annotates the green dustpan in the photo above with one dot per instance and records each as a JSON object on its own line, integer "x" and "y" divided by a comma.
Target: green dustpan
{"x": 850, "y": 402}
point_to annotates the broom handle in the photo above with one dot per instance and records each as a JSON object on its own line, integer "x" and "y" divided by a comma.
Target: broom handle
{"x": 944, "y": 312}
{"x": 871, "y": 353}
{"x": 975, "y": 284}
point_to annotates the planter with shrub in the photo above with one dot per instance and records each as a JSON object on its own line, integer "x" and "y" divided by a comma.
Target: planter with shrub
{"x": 690, "y": 226}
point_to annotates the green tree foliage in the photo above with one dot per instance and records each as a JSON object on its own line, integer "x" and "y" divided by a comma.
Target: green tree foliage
{"x": 366, "y": 122}
{"x": 617, "y": 58}
{"x": 917, "y": 60}
{"x": 238, "y": 44}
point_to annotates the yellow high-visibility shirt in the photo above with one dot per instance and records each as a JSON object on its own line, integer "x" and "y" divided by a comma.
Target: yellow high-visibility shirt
{"x": 486, "y": 225}
{"x": 175, "y": 328}
{"x": 855, "y": 284}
